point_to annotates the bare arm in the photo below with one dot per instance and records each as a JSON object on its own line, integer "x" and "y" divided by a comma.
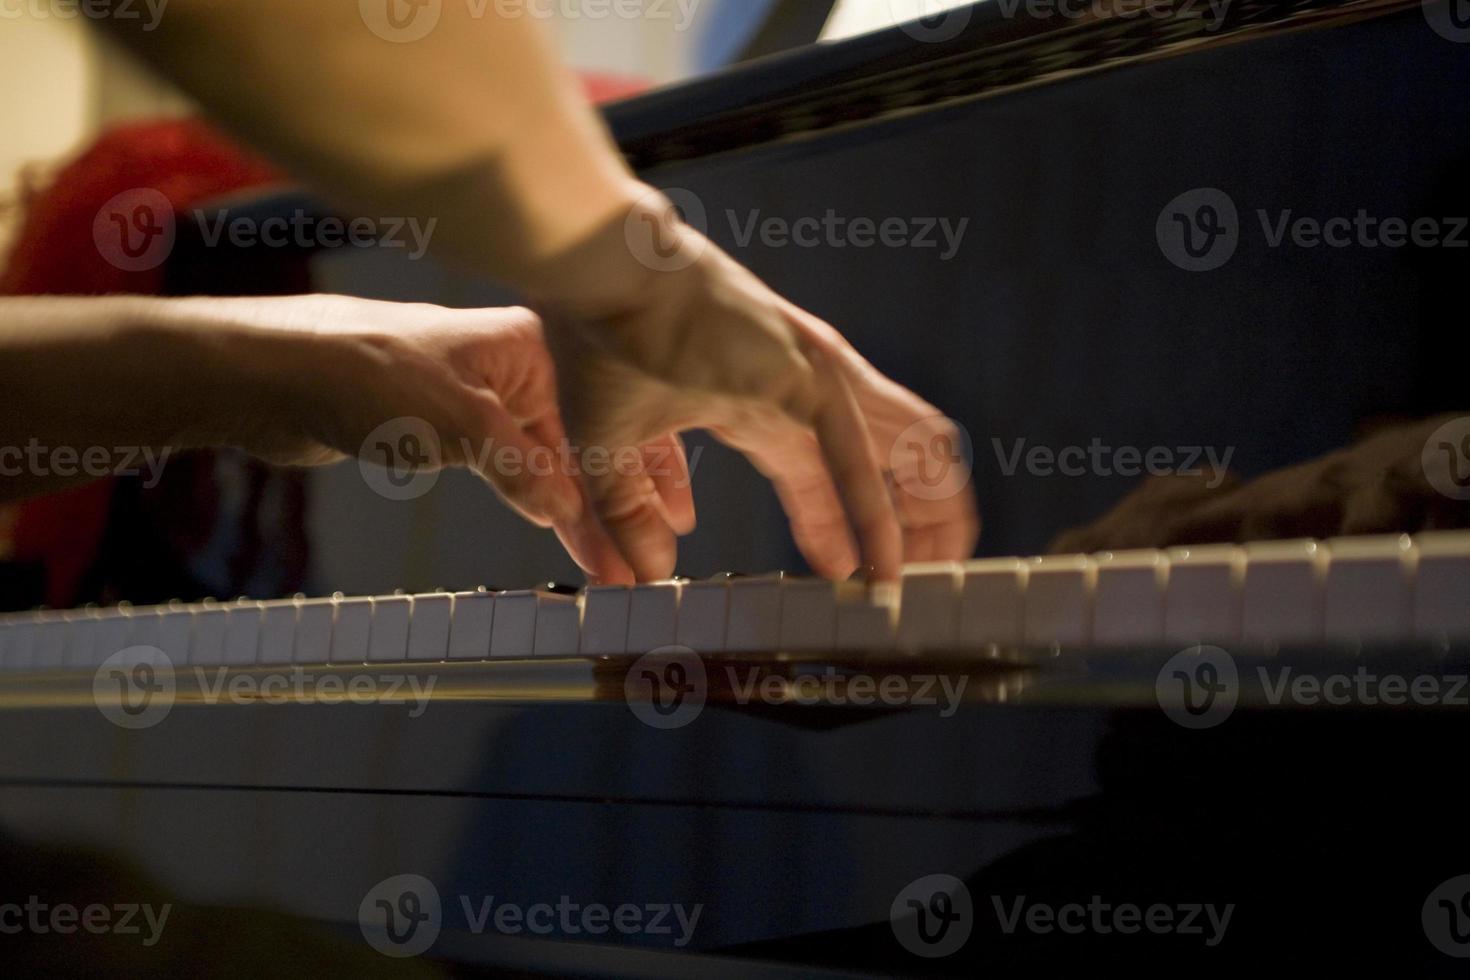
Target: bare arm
{"x": 474, "y": 124}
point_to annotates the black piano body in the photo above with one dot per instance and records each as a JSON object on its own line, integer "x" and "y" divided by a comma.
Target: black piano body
{"x": 1058, "y": 320}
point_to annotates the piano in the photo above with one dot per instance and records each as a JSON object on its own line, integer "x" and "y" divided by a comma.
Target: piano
{"x": 1206, "y": 758}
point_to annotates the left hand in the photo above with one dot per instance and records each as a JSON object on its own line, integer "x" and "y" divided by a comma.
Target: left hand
{"x": 1381, "y": 484}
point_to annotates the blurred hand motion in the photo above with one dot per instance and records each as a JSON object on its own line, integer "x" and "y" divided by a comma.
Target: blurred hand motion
{"x": 707, "y": 345}
{"x": 1389, "y": 481}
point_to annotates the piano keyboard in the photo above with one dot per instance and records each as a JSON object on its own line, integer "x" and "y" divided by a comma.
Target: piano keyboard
{"x": 1346, "y": 590}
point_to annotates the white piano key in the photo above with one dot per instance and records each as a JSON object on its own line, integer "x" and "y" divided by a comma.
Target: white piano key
{"x": 428, "y": 632}
{"x": 146, "y": 625}
{"x": 929, "y": 606}
{"x": 20, "y": 644}
{"x": 314, "y": 620}
{"x": 867, "y": 616}
{"x": 1128, "y": 604}
{"x": 1369, "y": 587}
{"x": 113, "y": 629}
{"x": 81, "y": 638}
{"x": 1059, "y": 595}
{"x": 993, "y": 602}
{"x": 703, "y": 609}
{"x": 388, "y": 640}
{"x": 558, "y": 626}
{"x": 1202, "y": 600}
{"x": 242, "y": 632}
{"x": 175, "y": 627}
{"x": 50, "y": 642}
{"x": 1442, "y": 585}
{"x": 211, "y": 625}
{"x": 278, "y": 631}
{"x": 753, "y": 619}
{"x": 808, "y": 616}
{"x": 352, "y": 630}
{"x": 653, "y": 616}
{"x": 605, "y": 620}
{"x": 513, "y": 634}
{"x": 1282, "y": 594}
{"x": 469, "y": 626}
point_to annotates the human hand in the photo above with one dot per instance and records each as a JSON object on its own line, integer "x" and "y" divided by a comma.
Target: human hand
{"x": 702, "y": 343}
{"x": 334, "y": 377}
{"x": 1394, "y": 480}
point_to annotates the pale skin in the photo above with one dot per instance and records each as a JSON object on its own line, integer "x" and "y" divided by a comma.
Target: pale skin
{"x": 477, "y": 126}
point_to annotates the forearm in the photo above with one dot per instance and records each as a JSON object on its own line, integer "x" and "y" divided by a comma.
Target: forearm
{"x": 475, "y": 125}
{"x": 88, "y": 380}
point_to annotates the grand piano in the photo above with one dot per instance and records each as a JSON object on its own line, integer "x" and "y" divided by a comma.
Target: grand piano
{"x": 1136, "y": 758}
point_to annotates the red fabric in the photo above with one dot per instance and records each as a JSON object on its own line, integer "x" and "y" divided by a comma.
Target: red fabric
{"x": 609, "y": 88}
{"x": 54, "y": 254}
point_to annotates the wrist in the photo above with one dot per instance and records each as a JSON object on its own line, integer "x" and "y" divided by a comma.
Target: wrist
{"x": 632, "y": 256}
{"x": 227, "y": 378}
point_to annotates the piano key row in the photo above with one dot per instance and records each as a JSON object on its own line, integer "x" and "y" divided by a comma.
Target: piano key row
{"x": 1347, "y": 589}
{"x": 1293, "y": 591}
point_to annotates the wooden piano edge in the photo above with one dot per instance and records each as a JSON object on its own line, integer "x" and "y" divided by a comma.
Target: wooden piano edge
{"x": 1020, "y": 676}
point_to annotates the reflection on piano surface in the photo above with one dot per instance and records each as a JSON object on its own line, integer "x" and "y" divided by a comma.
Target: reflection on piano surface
{"x": 1275, "y": 727}
{"x": 669, "y": 740}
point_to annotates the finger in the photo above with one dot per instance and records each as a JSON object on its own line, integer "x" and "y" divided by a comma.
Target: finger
{"x": 789, "y": 457}
{"x": 523, "y": 470}
{"x": 938, "y": 530}
{"x": 847, "y": 448}
{"x": 668, "y": 467}
{"x": 627, "y": 504}
{"x": 594, "y": 551}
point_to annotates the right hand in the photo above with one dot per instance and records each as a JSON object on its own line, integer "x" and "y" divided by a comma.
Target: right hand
{"x": 705, "y": 344}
